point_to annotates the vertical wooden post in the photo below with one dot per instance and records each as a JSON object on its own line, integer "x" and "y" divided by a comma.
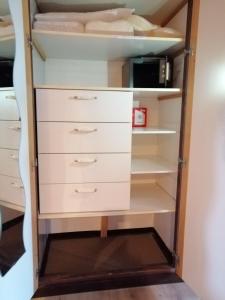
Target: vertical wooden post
{"x": 104, "y": 227}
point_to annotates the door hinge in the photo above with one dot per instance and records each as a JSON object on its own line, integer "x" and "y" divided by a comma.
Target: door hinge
{"x": 189, "y": 51}
{"x": 29, "y": 42}
{"x": 182, "y": 162}
{"x": 35, "y": 163}
{"x": 176, "y": 259}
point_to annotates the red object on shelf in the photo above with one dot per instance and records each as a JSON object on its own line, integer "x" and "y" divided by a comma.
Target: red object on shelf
{"x": 139, "y": 118}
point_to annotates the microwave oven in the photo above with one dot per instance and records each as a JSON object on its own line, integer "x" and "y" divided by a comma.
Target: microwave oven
{"x": 148, "y": 72}
{"x": 6, "y": 73}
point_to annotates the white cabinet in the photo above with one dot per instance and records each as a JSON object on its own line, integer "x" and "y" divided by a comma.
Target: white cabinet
{"x": 78, "y": 168}
{"x": 10, "y": 134}
{"x": 65, "y": 198}
{"x": 9, "y": 162}
{"x": 54, "y": 137}
{"x": 84, "y": 106}
{"x": 96, "y": 154}
{"x": 11, "y": 190}
{"x": 8, "y": 104}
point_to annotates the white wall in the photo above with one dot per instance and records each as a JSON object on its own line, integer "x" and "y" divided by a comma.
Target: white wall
{"x": 204, "y": 251}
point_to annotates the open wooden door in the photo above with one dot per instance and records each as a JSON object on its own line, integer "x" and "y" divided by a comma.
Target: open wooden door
{"x": 20, "y": 282}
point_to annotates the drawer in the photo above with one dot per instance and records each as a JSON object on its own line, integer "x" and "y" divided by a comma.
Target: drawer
{"x": 83, "y": 137}
{"x": 11, "y": 190}
{"x": 84, "y": 106}
{"x": 9, "y": 134}
{"x": 63, "y": 198}
{"x": 81, "y": 168}
{"x": 9, "y": 163}
{"x": 8, "y": 106}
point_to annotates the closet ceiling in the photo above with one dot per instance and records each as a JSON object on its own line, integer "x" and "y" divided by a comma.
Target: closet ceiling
{"x": 158, "y": 10}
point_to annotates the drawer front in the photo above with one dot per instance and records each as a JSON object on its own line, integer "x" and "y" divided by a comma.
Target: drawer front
{"x": 83, "y": 137}
{"x": 11, "y": 190}
{"x": 9, "y": 163}
{"x": 81, "y": 168}
{"x": 8, "y": 106}
{"x": 63, "y": 198}
{"x": 9, "y": 134}
{"x": 84, "y": 106}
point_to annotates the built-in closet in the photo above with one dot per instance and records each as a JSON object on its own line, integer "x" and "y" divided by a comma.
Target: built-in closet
{"x": 105, "y": 200}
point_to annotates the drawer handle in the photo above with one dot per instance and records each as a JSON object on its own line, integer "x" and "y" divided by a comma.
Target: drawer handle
{"x": 78, "y": 98}
{"x": 91, "y": 191}
{"x": 85, "y": 161}
{"x": 16, "y": 186}
{"x": 84, "y": 130}
{"x": 15, "y": 128}
{"x": 10, "y": 97}
{"x": 14, "y": 157}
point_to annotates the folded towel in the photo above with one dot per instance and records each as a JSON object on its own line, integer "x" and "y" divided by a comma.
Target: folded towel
{"x": 59, "y": 26}
{"x": 105, "y": 16}
{"x": 6, "y": 31}
{"x": 140, "y": 23}
{"x": 120, "y": 27}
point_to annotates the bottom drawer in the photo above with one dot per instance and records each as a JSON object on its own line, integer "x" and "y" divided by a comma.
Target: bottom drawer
{"x": 11, "y": 190}
{"x": 67, "y": 198}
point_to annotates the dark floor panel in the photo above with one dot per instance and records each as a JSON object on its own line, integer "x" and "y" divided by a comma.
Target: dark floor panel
{"x": 80, "y": 262}
{"x": 91, "y": 255}
{"x": 11, "y": 244}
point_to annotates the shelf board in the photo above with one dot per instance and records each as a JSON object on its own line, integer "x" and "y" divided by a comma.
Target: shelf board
{"x": 145, "y": 199}
{"x": 152, "y": 130}
{"x": 138, "y": 92}
{"x": 151, "y": 165}
{"x": 7, "y": 47}
{"x": 10, "y": 205}
{"x": 84, "y": 46}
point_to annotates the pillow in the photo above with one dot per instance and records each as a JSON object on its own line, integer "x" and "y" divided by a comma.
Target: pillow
{"x": 105, "y": 16}
{"x": 120, "y": 27}
{"x": 59, "y": 26}
{"x": 140, "y": 23}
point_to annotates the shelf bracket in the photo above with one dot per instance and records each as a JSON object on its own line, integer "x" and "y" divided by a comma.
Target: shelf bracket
{"x": 32, "y": 44}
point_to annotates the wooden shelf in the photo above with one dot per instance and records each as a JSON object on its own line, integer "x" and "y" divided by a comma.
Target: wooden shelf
{"x": 151, "y": 165}
{"x": 12, "y": 206}
{"x": 144, "y": 94}
{"x": 7, "y": 47}
{"x": 145, "y": 199}
{"x": 98, "y": 46}
{"x": 152, "y": 130}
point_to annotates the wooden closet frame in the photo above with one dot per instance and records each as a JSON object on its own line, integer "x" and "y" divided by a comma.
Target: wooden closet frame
{"x": 193, "y": 16}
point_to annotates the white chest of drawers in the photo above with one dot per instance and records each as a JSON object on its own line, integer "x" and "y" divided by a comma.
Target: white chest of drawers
{"x": 11, "y": 187}
{"x": 84, "y": 150}
{"x": 9, "y": 110}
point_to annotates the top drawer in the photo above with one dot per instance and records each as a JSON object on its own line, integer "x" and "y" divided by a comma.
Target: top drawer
{"x": 8, "y": 106}
{"x": 84, "y": 106}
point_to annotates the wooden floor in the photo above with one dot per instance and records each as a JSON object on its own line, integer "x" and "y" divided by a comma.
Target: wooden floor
{"x": 179, "y": 291}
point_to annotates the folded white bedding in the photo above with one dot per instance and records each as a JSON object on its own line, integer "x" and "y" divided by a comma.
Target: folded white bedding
{"x": 6, "y": 31}
{"x": 120, "y": 27}
{"x": 6, "y": 18}
{"x": 59, "y": 26}
{"x": 105, "y": 16}
{"x": 141, "y": 24}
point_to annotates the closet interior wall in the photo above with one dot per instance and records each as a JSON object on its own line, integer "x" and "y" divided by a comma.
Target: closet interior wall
{"x": 164, "y": 113}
